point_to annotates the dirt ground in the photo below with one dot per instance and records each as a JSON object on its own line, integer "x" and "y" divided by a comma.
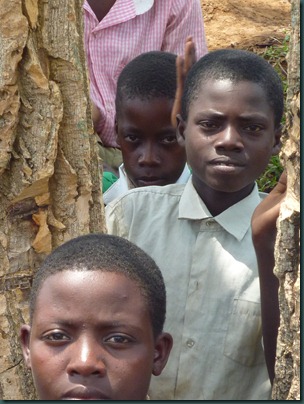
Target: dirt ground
{"x": 245, "y": 24}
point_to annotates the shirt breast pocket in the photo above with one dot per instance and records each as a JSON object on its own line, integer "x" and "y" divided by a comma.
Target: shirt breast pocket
{"x": 243, "y": 342}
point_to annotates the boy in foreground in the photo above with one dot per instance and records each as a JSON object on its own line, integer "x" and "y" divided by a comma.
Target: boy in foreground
{"x": 200, "y": 234}
{"x": 144, "y": 99}
{"x": 97, "y": 310}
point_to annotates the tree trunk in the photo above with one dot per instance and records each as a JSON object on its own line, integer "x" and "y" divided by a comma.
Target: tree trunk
{"x": 50, "y": 175}
{"x": 287, "y": 368}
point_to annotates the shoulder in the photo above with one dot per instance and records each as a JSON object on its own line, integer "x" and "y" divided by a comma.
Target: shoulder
{"x": 138, "y": 209}
{"x": 118, "y": 188}
{"x": 148, "y": 195}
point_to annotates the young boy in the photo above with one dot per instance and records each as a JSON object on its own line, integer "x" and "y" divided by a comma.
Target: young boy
{"x": 151, "y": 154}
{"x": 97, "y": 310}
{"x": 200, "y": 234}
{"x": 116, "y": 31}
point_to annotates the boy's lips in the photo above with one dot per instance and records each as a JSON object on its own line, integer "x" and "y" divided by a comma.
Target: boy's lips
{"x": 84, "y": 393}
{"x": 223, "y": 161}
{"x": 144, "y": 181}
{"x": 224, "y": 165}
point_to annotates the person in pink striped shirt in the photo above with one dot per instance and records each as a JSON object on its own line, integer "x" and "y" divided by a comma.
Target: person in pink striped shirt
{"x": 115, "y": 32}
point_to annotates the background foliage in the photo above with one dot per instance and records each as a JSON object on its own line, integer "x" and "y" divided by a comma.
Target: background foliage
{"x": 275, "y": 53}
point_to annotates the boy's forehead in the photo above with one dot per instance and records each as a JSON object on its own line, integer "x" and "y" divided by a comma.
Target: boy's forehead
{"x": 147, "y": 99}
{"x": 77, "y": 274}
{"x": 230, "y": 87}
{"x": 91, "y": 289}
{"x": 220, "y": 82}
{"x": 138, "y": 111}
{"x": 64, "y": 280}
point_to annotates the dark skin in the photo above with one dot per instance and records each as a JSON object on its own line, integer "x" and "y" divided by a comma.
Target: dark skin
{"x": 101, "y": 7}
{"x": 151, "y": 153}
{"x": 220, "y": 200}
{"x": 183, "y": 65}
{"x": 229, "y": 137}
{"x": 92, "y": 346}
{"x": 264, "y": 233}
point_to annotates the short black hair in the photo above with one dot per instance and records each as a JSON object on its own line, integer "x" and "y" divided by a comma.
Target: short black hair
{"x": 149, "y": 75}
{"x": 107, "y": 253}
{"x": 235, "y": 65}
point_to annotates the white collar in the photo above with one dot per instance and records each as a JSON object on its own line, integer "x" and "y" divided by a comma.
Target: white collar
{"x": 235, "y": 220}
{"x": 123, "y": 184}
{"x": 142, "y": 6}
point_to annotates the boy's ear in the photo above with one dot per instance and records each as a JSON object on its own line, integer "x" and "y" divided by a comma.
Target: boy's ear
{"x": 180, "y": 131}
{"x": 163, "y": 345}
{"x": 277, "y": 141}
{"x": 25, "y": 333}
{"x": 116, "y": 130}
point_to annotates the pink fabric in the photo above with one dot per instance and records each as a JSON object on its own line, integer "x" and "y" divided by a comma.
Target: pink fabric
{"x": 122, "y": 35}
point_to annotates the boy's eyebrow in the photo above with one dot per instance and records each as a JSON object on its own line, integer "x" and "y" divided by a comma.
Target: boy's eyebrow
{"x": 127, "y": 126}
{"x": 247, "y": 116}
{"x": 138, "y": 132}
{"x": 166, "y": 129}
{"x": 254, "y": 115}
{"x": 73, "y": 324}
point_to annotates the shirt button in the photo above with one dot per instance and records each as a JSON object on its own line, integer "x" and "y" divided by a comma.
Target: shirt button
{"x": 209, "y": 222}
{"x": 190, "y": 343}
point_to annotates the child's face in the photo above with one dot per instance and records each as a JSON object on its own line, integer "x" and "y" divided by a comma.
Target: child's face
{"x": 229, "y": 135}
{"x": 91, "y": 338}
{"x": 151, "y": 153}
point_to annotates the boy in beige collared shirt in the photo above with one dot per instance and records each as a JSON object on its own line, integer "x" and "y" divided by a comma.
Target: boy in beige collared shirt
{"x": 200, "y": 233}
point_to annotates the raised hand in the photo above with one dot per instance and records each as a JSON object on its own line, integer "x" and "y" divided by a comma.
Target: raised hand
{"x": 264, "y": 233}
{"x": 183, "y": 65}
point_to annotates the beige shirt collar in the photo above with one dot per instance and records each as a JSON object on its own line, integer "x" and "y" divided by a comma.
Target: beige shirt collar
{"x": 235, "y": 220}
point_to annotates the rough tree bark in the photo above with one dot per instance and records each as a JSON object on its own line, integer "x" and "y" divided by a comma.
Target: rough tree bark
{"x": 50, "y": 174}
{"x": 287, "y": 369}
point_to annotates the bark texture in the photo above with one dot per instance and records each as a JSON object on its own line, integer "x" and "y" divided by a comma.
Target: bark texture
{"x": 50, "y": 175}
{"x": 287, "y": 250}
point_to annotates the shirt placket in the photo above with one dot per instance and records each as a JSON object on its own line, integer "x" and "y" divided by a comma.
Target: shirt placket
{"x": 190, "y": 354}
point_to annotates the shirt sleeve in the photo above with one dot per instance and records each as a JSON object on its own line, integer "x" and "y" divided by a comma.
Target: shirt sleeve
{"x": 186, "y": 19}
{"x": 114, "y": 219}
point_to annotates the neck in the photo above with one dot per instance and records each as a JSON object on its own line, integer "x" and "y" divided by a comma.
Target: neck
{"x": 217, "y": 201}
{"x": 101, "y": 7}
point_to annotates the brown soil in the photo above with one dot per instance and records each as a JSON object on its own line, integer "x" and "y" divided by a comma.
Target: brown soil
{"x": 245, "y": 24}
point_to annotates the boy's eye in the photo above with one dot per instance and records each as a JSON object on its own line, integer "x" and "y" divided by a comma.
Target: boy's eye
{"x": 118, "y": 339}
{"x": 253, "y": 128}
{"x": 169, "y": 139}
{"x": 208, "y": 125}
{"x": 56, "y": 336}
{"x": 131, "y": 138}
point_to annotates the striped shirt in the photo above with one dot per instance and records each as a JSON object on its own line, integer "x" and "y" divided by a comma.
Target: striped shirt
{"x": 130, "y": 28}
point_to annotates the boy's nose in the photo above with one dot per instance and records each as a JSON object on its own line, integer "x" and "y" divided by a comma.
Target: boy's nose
{"x": 229, "y": 139}
{"x": 86, "y": 359}
{"x": 148, "y": 156}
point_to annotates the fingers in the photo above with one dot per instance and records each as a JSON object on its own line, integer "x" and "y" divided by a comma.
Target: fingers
{"x": 96, "y": 116}
{"x": 281, "y": 186}
{"x": 190, "y": 55}
{"x": 179, "y": 90}
{"x": 267, "y": 212}
{"x": 180, "y": 72}
{"x": 183, "y": 65}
